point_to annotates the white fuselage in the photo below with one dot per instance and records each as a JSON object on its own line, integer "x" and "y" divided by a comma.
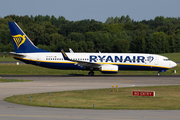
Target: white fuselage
{"x": 124, "y": 61}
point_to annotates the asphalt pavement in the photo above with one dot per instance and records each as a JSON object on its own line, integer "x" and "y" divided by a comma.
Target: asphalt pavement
{"x": 50, "y": 83}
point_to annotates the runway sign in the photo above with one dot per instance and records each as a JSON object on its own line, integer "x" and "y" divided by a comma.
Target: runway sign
{"x": 143, "y": 93}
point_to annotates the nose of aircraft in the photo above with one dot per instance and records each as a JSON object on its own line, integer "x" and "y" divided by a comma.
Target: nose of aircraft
{"x": 173, "y": 64}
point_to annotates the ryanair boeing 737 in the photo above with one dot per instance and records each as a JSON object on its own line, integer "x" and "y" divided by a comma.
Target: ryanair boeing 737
{"x": 27, "y": 52}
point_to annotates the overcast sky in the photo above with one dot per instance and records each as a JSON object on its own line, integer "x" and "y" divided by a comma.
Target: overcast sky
{"x": 98, "y": 10}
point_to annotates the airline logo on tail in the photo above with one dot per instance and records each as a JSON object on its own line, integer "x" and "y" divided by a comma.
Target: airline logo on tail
{"x": 19, "y": 39}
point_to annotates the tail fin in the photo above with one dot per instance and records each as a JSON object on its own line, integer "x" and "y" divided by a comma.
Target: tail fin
{"x": 22, "y": 43}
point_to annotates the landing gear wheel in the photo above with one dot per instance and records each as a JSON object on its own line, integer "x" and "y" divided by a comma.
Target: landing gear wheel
{"x": 158, "y": 74}
{"x": 91, "y": 73}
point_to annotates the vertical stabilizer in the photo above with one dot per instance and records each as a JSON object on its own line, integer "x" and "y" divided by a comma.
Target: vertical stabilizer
{"x": 22, "y": 44}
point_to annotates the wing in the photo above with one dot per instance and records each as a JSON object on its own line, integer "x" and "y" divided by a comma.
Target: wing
{"x": 81, "y": 63}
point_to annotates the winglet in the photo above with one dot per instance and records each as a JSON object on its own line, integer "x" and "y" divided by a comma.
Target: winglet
{"x": 71, "y": 51}
{"x": 64, "y": 54}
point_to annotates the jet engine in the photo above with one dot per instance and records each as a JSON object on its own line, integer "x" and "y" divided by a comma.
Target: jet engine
{"x": 109, "y": 69}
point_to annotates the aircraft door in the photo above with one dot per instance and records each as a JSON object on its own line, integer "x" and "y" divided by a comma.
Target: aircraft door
{"x": 156, "y": 61}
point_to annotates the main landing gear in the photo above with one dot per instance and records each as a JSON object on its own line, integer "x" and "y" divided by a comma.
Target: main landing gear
{"x": 91, "y": 73}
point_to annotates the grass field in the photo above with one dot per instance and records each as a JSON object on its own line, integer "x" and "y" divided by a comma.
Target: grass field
{"x": 23, "y": 69}
{"x": 14, "y": 80}
{"x": 167, "y": 98}
{"x": 7, "y": 58}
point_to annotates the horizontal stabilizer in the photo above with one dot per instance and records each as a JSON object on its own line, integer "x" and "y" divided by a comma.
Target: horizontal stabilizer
{"x": 16, "y": 54}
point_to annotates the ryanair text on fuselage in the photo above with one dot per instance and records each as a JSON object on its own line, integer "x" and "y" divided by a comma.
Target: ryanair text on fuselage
{"x": 130, "y": 59}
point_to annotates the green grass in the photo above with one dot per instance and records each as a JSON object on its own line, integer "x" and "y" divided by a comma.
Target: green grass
{"x": 167, "y": 98}
{"x": 23, "y": 69}
{"x": 7, "y": 58}
{"x": 14, "y": 80}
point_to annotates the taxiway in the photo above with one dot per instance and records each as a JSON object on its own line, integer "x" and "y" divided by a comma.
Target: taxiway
{"x": 10, "y": 111}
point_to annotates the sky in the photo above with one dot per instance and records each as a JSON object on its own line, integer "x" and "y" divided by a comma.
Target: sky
{"x": 99, "y": 10}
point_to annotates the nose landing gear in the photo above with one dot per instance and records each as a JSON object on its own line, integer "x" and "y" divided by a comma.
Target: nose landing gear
{"x": 158, "y": 74}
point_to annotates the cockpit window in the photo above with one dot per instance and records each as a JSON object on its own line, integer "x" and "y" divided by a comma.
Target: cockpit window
{"x": 166, "y": 59}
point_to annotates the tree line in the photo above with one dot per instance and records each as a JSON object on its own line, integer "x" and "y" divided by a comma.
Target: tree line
{"x": 117, "y": 34}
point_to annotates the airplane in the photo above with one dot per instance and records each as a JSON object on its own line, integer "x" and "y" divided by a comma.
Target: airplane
{"x": 27, "y": 52}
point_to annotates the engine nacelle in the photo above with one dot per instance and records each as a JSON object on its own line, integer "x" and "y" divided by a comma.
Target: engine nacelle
{"x": 109, "y": 69}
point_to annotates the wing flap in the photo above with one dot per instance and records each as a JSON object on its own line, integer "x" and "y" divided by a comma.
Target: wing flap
{"x": 87, "y": 64}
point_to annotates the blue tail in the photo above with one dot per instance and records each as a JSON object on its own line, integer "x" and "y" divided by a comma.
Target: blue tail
{"x": 22, "y": 43}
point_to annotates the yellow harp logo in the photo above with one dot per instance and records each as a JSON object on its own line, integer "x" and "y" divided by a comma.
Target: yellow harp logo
{"x": 19, "y": 40}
